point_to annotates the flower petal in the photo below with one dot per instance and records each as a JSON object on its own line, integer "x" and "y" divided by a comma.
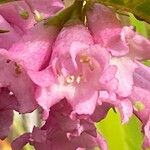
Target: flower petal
{"x": 45, "y": 8}
{"x": 15, "y": 78}
{"x": 34, "y": 48}
{"x": 20, "y": 142}
{"x": 18, "y": 14}
{"x": 125, "y": 68}
{"x": 139, "y": 45}
{"x": 9, "y": 37}
{"x": 106, "y": 30}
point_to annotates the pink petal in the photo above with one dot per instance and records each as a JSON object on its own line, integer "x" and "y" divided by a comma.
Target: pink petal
{"x": 77, "y": 48}
{"x": 100, "y": 54}
{"x": 48, "y": 96}
{"x": 12, "y": 13}
{"x": 13, "y": 76}
{"x": 69, "y": 35}
{"x": 125, "y": 108}
{"x": 45, "y": 7}
{"x": 139, "y": 45}
{"x": 60, "y": 132}
{"x": 146, "y": 143}
{"x": 142, "y": 97}
{"x": 7, "y": 38}
{"x": 20, "y": 142}
{"x": 42, "y": 78}
{"x": 108, "y": 80}
{"x": 100, "y": 112}
{"x": 7, "y": 104}
{"x": 106, "y": 30}
{"x": 6, "y": 121}
{"x": 125, "y": 68}
{"x": 141, "y": 91}
{"x": 34, "y": 48}
{"x": 86, "y": 105}
{"x": 142, "y": 76}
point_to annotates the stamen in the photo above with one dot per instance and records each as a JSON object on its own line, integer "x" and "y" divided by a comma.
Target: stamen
{"x": 38, "y": 16}
{"x": 79, "y": 78}
{"x": 70, "y": 79}
{"x": 24, "y": 14}
{"x": 138, "y": 106}
{"x": 11, "y": 93}
{"x": 85, "y": 59}
{"x": 91, "y": 66}
{"x": 18, "y": 69}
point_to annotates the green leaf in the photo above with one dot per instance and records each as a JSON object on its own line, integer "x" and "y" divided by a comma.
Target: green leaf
{"x": 141, "y": 27}
{"x": 140, "y": 8}
{"x": 147, "y": 63}
{"x": 118, "y": 136}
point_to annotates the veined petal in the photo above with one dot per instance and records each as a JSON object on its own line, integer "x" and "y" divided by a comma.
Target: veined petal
{"x": 125, "y": 68}
{"x": 18, "y": 14}
{"x": 85, "y": 105}
{"x": 15, "y": 78}
{"x": 9, "y": 36}
{"x": 139, "y": 45}
{"x": 45, "y": 8}
{"x": 20, "y": 142}
{"x": 34, "y": 48}
{"x": 141, "y": 76}
{"x": 106, "y": 30}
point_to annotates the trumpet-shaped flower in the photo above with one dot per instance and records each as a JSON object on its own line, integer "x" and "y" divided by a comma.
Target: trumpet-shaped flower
{"x": 77, "y": 71}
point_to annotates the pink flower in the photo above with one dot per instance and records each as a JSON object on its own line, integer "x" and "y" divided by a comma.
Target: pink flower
{"x": 106, "y": 29}
{"x": 60, "y": 132}
{"x": 31, "y": 52}
{"x": 128, "y": 65}
{"x": 22, "y": 15}
{"x": 16, "y": 18}
{"x": 77, "y": 71}
{"x": 27, "y": 47}
{"x": 126, "y": 47}
{"x": 76, "y": 75}
{"x": 15, "y": 63}
{"x": 15, "y": 78}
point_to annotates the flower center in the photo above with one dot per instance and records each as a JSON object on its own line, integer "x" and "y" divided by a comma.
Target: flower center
{"x": 70, "y": 79}
{"x": 24, "y": 14}
{"x": 85, "y": 59}
{"x": 38, "y": 16}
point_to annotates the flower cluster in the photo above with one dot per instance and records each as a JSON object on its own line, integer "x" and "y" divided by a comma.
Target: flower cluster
{"x": 75, "y": 74}
{"x": 24, "y": 45}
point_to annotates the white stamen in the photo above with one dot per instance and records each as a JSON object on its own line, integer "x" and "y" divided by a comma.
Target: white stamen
{"x": 70, "y": 79}
{"x": 78, "y": 79}
{"x": 38, "y": 16}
